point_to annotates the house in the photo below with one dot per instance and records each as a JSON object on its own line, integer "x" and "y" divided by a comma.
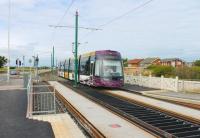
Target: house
{"x": 189, "y": 64}
{"x": 134, "y": 62}
{"x": 174, "y": 62}
{"x": 133, "y": 67}
{"x": 149, "y": 61}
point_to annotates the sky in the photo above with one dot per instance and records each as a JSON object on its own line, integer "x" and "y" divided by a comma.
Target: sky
{"x": 162, "y": 28}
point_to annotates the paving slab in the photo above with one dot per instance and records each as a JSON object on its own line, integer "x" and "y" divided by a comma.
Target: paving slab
{"x": 62, "y": 125}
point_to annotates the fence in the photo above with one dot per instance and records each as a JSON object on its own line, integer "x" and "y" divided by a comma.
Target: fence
{"x": 153, "y": 82}
{"x": 40, "y": 102}
{"x": 189, "y": 86}
{"x": 172, "y": 84}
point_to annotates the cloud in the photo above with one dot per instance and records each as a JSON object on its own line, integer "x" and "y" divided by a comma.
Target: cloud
{"x": 162, "y": 28}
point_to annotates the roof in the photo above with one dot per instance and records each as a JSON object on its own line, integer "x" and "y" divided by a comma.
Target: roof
{"x": 134, "y": 61}
{"x": 148, "y": 60}
{"x": 171, "y": 59}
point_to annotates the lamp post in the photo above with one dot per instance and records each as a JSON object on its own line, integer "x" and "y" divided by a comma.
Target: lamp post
{"x": 8, "y": 65}
{"x": 30, "y": 61}
{"x": 23, "y": 64}
{"x": 76, "y": 51}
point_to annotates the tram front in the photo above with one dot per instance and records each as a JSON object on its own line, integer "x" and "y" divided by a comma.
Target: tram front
{"x": 108, "y": 69}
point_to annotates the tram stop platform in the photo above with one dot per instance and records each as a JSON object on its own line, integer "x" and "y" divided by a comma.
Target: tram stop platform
{"x": 181, "y": 95}
{"x": 166, "y": 95}
{"x": 14, "y": 123}
{"x": 109, "y": 124}
{"x": 62, "y": 124}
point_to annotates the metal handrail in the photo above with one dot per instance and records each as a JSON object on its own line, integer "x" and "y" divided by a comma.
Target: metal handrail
{"x": 40, "y": 102}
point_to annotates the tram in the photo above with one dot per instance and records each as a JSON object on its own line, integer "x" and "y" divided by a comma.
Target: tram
{"x": 99, "y": 68}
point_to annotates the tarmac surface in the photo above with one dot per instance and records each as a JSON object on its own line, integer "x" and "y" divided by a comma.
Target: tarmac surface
{"x": 14, "y": 123}
{"x": 136, "y": 88}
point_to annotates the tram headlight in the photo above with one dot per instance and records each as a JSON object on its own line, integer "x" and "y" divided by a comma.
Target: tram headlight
{"x": 106, "y": 79}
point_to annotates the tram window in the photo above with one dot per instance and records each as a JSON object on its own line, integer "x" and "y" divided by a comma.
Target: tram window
{"x": 85, "y": 66}
{"x": 91, "y": 68}
{"x": 97, "y": 67}
{"x": 112, "y": 68}
{"x": 82, "y": 66}
{"x": 66, "y": 65}
{"x": 71, "y": 67}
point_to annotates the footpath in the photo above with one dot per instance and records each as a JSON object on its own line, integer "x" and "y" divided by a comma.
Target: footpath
{"x": 14, "y": 123}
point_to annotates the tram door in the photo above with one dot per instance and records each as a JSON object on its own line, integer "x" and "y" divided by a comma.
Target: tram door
{"x": 91, "y": 68}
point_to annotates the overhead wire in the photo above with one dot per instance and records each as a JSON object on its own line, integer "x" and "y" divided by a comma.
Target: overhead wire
{"x": 120, "y": 16}
{"x": 126, "y": 13}
{"x": 61, "y": 19}
{"x": 66, "y": 11}
{"x": 81, "y": 27}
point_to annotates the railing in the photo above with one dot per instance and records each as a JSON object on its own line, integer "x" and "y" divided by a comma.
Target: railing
{"x": 29, "y": 97}
{"x": 172, "y": 84}
{"x": 189, "y": 86}
{"x": 40, "y": 102}
{"x": 153, "y": 82}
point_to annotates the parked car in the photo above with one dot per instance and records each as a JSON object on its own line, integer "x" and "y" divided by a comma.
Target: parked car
{"x": 13, "y": 72}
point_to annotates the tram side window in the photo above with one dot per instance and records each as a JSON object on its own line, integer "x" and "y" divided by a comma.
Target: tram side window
{"x": 66, "y": 65}
{"x": 85, "y": 66}
{"x": 92, "y": 66}
{"x": 97, "y": 67}
{"x": 61, "y": 67}
{"x": 71, "y": 67}
{"x": 82, "y": 67}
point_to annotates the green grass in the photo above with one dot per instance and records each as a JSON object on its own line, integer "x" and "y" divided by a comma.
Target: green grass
{"x": 4, "y": 69}
{"x": 26, "y": 69}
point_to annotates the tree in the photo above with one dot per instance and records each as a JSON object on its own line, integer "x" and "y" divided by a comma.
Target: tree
{"x": 3, "y": 61}
{"x": 158, "y": 70}
{"x": 125, "y": 62}
{"x": 197, "y": 63}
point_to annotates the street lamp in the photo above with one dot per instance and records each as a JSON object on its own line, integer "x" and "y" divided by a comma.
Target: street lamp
{"x": 30, "y": 61}
{"x": 8, "y": 66}
{"x": 73, "y": 48}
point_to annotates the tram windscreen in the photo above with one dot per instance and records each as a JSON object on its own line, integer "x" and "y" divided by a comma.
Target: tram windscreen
{"x": 109, "y": 68}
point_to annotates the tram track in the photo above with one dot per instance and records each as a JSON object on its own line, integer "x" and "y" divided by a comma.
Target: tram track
{"x": 154, "y": 121}
{"x": 170, "y": 99}
{"x": 63, "y": 106}
{"x": 91, "y": 130}
{"x": 161, "y": 109}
